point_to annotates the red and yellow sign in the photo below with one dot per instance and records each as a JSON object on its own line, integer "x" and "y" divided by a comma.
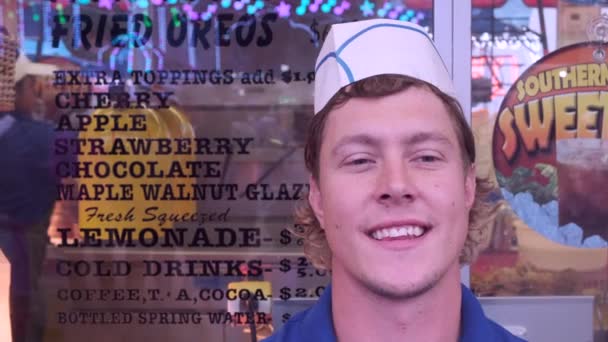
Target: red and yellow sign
{"x": 551, "y": 137}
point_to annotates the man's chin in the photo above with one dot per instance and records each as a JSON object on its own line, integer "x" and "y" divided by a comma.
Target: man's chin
{"x": 401, "y": 290}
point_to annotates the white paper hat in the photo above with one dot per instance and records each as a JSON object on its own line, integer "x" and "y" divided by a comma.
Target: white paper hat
{"x": 25, "y": 66}
{"x": 357, "y": 50}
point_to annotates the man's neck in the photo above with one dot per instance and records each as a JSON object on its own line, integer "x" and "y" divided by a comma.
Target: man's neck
{"x": 361, "y": 315}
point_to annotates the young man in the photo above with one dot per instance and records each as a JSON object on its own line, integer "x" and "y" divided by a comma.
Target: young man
{"x": 394, "y": 207}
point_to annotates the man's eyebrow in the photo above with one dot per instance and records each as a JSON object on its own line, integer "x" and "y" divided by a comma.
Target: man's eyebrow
{"x": 361, "y": 139}
{"x": 422, "y": 137}
{"x": 411, "y": 140}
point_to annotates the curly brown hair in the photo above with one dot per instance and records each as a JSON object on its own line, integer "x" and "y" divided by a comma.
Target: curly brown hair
{"x": 308, "y": 227}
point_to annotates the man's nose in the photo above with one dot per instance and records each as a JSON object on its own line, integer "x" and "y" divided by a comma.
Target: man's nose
{"x": 395, "y": 182}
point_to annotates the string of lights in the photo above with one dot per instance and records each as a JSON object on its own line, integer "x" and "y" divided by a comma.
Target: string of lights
{"x": 285, "y": 9}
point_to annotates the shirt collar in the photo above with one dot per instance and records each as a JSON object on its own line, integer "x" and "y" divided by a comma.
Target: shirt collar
{"x": 6, "y": 122}
{"x": 474, "y": 326}
{"x": 318, "y": 325}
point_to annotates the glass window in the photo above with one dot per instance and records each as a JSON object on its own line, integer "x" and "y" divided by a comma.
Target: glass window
{"x": 157, "y": 164}
{"x": 549, "y": 236}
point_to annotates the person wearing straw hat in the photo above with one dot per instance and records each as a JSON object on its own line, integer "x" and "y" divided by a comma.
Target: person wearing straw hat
{"x": 394, "y": 207}
{"x": 28, "y": 101}
{"x": 28, "y": 183}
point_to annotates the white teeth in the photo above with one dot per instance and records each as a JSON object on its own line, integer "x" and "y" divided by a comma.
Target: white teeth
{"x": 413, "y": 231}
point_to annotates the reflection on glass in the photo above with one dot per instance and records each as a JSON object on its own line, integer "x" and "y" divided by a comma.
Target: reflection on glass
{"x": 121, "y": 262}
{"x": 508, "y": 38}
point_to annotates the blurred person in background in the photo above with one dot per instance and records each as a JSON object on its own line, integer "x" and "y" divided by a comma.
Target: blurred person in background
{"x": 28, "y": 186}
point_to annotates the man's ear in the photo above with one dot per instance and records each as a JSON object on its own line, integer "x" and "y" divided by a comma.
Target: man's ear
{"x": 314, "y": 198}
{"x": 470, "y": 185}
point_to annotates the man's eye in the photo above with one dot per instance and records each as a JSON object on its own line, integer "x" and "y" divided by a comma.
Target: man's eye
{"x": 428, "y": 159}
{"x": 359, "y": 161}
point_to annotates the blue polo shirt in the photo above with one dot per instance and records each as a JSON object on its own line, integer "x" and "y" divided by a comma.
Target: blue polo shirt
{"x": 316, "y": 324}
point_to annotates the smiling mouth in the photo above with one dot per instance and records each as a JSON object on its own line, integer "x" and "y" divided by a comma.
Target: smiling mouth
{"x": 399, "y": 232}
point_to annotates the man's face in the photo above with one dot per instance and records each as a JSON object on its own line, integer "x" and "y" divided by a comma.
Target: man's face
{"x": 393, "y": 166}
